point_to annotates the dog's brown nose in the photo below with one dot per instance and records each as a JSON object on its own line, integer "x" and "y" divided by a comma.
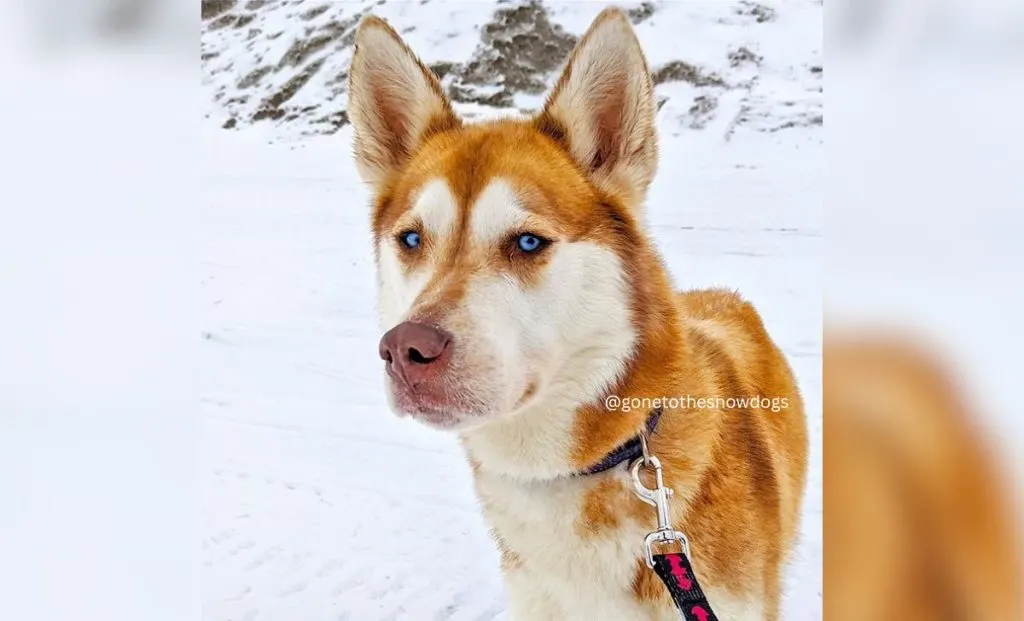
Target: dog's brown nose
{"x": 414, "y": 351}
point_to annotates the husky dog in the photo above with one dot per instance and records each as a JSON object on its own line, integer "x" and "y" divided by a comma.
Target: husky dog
{"x": 519, "y": 290}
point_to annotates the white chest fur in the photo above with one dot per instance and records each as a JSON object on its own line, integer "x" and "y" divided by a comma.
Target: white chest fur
{"x": 562, "y": 571}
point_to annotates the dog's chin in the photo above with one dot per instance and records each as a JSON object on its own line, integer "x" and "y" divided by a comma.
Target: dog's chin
{"x": 437, "y": 411}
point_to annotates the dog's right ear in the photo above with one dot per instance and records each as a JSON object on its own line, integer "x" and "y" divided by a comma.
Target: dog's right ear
{"x": 395, "y": 101}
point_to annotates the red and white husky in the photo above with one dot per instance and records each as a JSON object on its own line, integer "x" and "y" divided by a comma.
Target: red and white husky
{"x": 518, "y": 288}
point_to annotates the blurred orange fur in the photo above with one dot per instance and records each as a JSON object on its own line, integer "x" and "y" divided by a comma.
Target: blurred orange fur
{"x": 920, "y": 522}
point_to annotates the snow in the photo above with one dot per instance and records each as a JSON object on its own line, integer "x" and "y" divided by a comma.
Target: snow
{"x": 319, "y": 503}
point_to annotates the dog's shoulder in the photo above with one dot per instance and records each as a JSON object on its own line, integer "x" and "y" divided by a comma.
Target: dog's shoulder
{"x": 721, "y": 307}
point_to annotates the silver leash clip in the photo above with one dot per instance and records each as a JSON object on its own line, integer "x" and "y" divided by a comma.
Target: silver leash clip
{"x": 658, "y": 498}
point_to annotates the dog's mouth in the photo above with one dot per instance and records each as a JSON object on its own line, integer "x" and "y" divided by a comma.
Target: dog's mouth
{"x": 432, "y": 404}
{"x": 452, "y": 407}
{"x": 438, "y": 408}
{"x": 424, "y": 408}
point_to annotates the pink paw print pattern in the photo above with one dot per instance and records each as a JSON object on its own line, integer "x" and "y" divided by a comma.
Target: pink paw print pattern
{"x": 677, "y": 574}
{"x": 680, "y": 573}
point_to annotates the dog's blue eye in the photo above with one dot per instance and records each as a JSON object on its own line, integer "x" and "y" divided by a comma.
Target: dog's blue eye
{"x": 528, "y": 242}
{"x": 411, "y": 239}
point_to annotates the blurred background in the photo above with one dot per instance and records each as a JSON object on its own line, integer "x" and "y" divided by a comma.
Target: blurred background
{"x": 98, "y": 239}
{"x": 923, "y": 432}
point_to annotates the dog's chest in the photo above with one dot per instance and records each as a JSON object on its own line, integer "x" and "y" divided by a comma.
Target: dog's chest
{"x": 574, "y": 549}
{"x": 573, "y": 535}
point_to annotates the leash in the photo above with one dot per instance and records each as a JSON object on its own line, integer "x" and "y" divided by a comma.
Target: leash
{"x": 674, "y": 569}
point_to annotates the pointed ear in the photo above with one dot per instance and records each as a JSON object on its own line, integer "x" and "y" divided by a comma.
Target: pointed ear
{"x": 602, "y": 108}
{"x": 395, "y": 101}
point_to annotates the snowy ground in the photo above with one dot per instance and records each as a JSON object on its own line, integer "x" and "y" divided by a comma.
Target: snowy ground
{"x": 312, "y": 488}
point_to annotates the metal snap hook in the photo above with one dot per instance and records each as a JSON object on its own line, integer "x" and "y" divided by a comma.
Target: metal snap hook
{"x": 658, "y": 498}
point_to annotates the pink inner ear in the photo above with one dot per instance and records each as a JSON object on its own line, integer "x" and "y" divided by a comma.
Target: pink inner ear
{"x": 609, "y": 105}
{"x": 395, "y": 121}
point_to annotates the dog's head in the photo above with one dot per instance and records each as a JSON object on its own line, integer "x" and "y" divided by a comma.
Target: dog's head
{"x": 503, "y": 248}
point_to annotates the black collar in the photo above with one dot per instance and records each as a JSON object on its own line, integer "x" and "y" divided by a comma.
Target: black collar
{"x": 629, "y": 451}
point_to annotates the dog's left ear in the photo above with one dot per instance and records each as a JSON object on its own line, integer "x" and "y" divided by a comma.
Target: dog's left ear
{"x": 602, "y": 109}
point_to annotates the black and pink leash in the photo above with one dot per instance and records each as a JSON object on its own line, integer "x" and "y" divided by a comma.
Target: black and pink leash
{"x": 677, "y": 574}
{"x": 674, "y": 569}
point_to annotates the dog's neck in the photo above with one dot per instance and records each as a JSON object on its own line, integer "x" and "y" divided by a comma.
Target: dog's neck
{"x": 570, "y": 427}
